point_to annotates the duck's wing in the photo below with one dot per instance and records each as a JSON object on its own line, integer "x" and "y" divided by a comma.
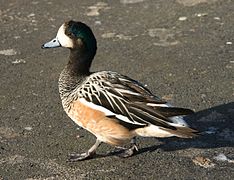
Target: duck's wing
{"x": 127, "y": 100}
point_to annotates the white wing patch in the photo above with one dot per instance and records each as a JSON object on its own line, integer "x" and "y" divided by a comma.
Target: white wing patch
{"x": 153, "y": 131}
{"x": 158, "y": 105}
{"x": 177, "y": 120}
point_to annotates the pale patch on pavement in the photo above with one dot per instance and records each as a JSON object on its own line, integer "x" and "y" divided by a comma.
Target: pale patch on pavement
{"x": 194, "y": 2}
{"x": 164, "y": 37}
{"x": 131, "y": 1}
{"x": 94, "y": 10}
{"x": 8, "y": 52}
{"x": 18, "y": 61}
{"x": 8, "y": 133}
{"x": 118, "y": 36}
{"x": 108, "y": 35}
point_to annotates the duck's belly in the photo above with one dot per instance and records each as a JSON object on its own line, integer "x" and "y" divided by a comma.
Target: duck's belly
{"x": 104, "y": 128}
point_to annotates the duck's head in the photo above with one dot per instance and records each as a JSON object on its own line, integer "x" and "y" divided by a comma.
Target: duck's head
{"x": 74, "y": 35}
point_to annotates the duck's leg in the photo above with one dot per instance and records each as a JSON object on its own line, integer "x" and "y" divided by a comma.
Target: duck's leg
{"x": 130, "y": 151}
{"x": 79, "y": 157}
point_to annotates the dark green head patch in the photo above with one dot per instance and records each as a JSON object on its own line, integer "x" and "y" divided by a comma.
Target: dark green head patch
{"x": 79, "y": 30}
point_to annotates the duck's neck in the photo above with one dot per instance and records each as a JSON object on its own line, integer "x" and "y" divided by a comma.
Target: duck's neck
{"x": 79, "y": 62}
{"x": 75, "y": 71}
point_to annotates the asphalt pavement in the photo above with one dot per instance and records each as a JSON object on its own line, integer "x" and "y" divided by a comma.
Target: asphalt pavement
{"x": 183, "y": 50}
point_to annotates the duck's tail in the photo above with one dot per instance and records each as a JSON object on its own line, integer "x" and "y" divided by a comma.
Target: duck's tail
{"x": 176, "y": 130}
{"x": 183, "y": 132}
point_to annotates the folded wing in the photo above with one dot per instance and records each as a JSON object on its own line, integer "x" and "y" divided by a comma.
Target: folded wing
{"x": 129, "y": 101}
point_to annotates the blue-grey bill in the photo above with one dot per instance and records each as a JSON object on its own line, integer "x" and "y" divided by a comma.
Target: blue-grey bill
{"x": 51, "y": 44}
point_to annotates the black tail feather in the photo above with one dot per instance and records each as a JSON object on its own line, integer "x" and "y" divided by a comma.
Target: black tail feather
{"x": 172, "y": 111}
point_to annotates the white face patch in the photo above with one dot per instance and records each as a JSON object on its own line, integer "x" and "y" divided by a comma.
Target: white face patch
{"x": 63, "y": 39}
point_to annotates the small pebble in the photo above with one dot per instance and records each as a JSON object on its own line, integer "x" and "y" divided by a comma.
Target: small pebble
{"x": 201, "y": 14}
{"x": 182, "y": 18}
{"x": 216, "y": 18}
{"x": 28, "y": 128}
{"x": 203, "y": 162}
{"x": 98, "y": 22}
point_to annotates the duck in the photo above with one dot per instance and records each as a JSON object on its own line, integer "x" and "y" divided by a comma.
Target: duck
{"x": 115, "y": 108}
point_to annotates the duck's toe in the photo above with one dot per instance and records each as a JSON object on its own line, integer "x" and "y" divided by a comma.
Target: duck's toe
{"x": 73, "y": 157}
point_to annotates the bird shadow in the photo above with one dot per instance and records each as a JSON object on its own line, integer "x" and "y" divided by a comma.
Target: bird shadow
{"x": 216, "y": 127}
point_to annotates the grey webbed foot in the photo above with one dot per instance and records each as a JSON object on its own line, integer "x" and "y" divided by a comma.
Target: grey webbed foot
{"x": 83, "y": 156}
{"x": 129, "y": 152}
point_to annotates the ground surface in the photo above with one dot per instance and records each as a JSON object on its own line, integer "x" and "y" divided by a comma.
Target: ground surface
{"x": 182, "y": 49}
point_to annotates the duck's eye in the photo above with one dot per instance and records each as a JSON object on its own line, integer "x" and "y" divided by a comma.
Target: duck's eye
{"x": 73, "y": 34}
{"x": 54, "y": 40}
